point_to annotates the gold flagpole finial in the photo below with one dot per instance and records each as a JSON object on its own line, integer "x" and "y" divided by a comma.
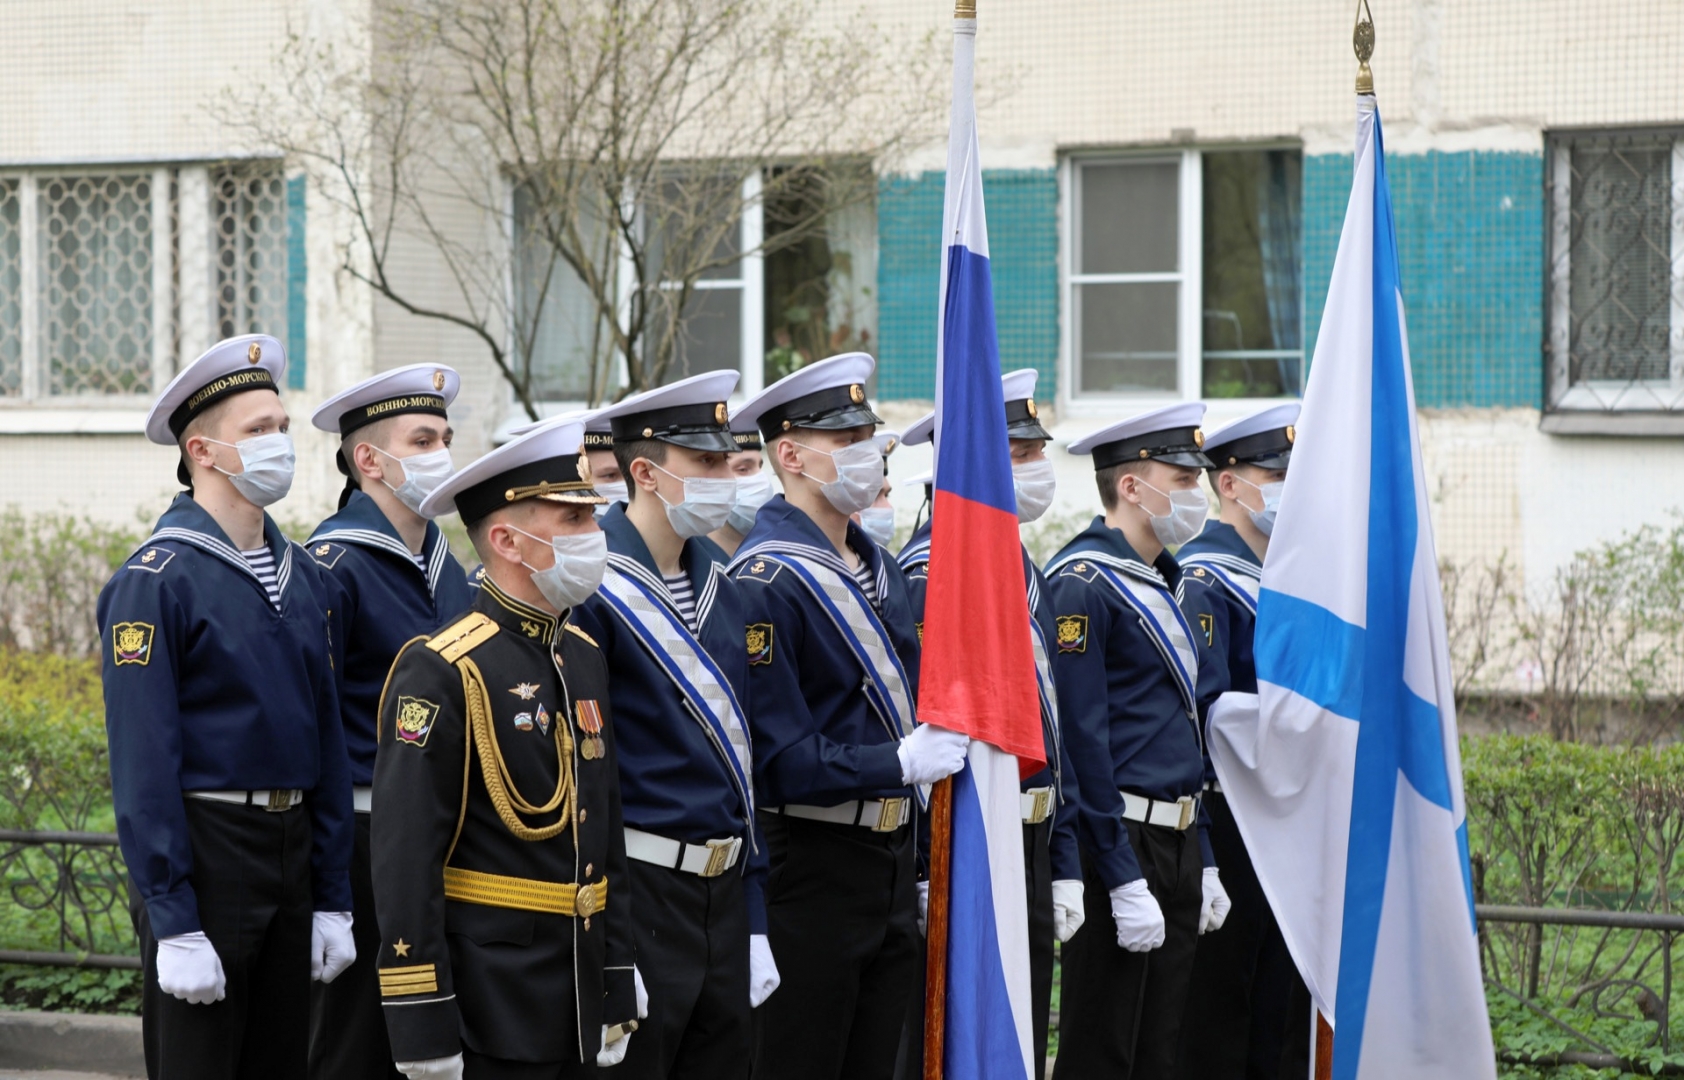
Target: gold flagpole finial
{"x": 964, "y": 9}
{"x": 1362, "y": 40}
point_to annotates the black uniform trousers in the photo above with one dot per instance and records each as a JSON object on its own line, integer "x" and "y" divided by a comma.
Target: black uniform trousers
{"x": 1235, "y": 1026}
{"x": 1037, "y": 881}
{"x": 251, "y": 876}
{"x": 479, "y": 1067}
{"x": 842, "y": 917}
{"x": 347, "y": 1030}
{"x": 692, "y": 950}
{"x": 1120, "y": 1012}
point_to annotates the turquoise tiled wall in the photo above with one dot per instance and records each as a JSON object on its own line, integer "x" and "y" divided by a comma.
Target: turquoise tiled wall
{"x": 1471, "y": 243}
{"x": 1023, "y": 248}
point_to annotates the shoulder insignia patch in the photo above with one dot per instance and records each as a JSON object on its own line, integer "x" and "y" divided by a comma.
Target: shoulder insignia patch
{"x": 1072, "y": 633}
{"x": 919, "y": 570}
{"x": 462, "y": 636}
{"x": 328, "y": 555}
{"x": 131, "y": 643}
{"x": 415, "y": 720}
{"x": 477, "y": 576}
{"x": 760, "y": 643}
{"x": 1198, "y": 571}
{"x": 1084, "y": 571}
{"x": 1207, "y": 623}
{"x": 571, "y": 629}
{"x": 761, "y": 570}
{"x": 153, "y": 559}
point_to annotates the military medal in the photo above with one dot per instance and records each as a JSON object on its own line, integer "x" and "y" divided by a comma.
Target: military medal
{"x": 590, "y": 723}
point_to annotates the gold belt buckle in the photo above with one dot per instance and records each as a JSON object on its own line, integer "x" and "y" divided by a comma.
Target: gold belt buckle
{"x": 585, "y": 902}
{"x": 893, "y": 815}
{"x": 1041, "y": 808}
{"x": 279, "y": 801}
{"x": 1189, "y": 808}
{"x": 719, "y": 855}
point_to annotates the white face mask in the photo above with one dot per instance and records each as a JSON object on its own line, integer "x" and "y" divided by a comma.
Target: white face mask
{"x": 1035, "y": 485}
{"x": 1264, "y": 519}
{"x": 859, "y": 476}
{"x": 422, "y": 473}
{"x": 1188, "y": 509}
{"x": 878, "y": 522}
{"x": 753, "y": 492}
{"x": 612, "y": 490}
{"x": 706, "y": 504}
{"x": 267, "y": 461}
{"x": 580, "y": 561}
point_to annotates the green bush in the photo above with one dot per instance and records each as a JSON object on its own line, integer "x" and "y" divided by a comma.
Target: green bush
{"x": 52, "y": 567}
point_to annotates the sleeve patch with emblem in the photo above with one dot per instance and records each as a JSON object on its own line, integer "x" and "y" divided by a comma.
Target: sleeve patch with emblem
{"x": 1072, "y": 633}
{"x": 131, "y": 643}
{"x": 328, "y": 555}
{"x": 153, "y": 559}
{"x": 1207, "y": 623}
{"x": 762, "y": 570}
{"x": 415, "y": 720}
{"x": 760, "y": 643}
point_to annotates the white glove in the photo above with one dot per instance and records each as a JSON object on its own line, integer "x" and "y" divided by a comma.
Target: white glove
{"x": 331, "y": 947}
{"x": 446, "y": 1068}
{"x": 763, "y": 977}
{"x": 1068, "y": 912}
{"x": 1214, "y": 911}
{"x": 923, "y": 906}
{"x": 612, "y": 1053}
{"x": 931, "y": 753}
{"x": 1140, "y": 921}
{"x": 642, "y": 993}
{"x": 189, "y": 969}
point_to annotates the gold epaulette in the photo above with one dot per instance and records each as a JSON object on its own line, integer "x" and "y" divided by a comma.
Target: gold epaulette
{"x": 463, "y": 636}
{"x": 575, "y": 630}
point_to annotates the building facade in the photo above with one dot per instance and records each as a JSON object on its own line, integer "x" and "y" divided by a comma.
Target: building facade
{"x": 1165, "y": 186}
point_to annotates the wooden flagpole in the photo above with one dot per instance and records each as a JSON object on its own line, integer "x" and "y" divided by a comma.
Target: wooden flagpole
{"x": 1323, "y": 1055}
{"x": 935, "y": 927}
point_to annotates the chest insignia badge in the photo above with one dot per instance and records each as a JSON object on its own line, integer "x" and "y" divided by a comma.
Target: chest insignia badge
{"x": 523, "y": 721}
{"x": 526, "y": 691}
{"x": 543, "y": 718}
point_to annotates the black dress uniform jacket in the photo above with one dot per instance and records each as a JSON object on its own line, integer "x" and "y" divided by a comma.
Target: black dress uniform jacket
{"x": 383, "y": 599}
{"x": 506, "y": 931}
{"x": 211, "y": 687}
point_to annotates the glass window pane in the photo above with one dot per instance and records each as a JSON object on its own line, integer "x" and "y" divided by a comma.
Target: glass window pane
{"x": 96, "y": 283}
{"x": 1128, "y": 337}
{"x": 249, "y": 215}
{"x": 709, "y": 339}
{"x": 554, "y": 310}
{"x": 1620, "y": 262}
{"x": 1130, "y": 218}
{"x": 694, "y": 221}
{"x": 11, "y": 291}
{"x": 1253, "y": 263}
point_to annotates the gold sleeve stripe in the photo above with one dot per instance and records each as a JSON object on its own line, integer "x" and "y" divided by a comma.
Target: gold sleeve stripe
{"x": 463, "y": 636}
{"x": 413, "y": 969}
{"x": 403, "y": 981}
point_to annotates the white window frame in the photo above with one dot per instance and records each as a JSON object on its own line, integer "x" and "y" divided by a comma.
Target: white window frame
{"x": 1190, "y": 276}
{"x": 751, "y": 279}
{"x": 1578, "y": 408}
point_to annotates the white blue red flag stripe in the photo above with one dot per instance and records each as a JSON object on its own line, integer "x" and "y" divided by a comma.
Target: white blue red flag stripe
{"x": 1343, "y": 772}
{"x": 978, "y": 668}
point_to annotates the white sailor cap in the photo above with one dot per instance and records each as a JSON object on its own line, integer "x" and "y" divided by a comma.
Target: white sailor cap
{"x": 1170, "y": 434}
{"x": 690, "y": 413}
{"x": 828, "y": 396}
{"x": 234, "y": 366}
{"x": 597, "y": 436}
{"x": 923, "y": 430}
{"x": 746, "y": 433}
{"x": 887, "y": 442}
{"x": 547, "y": 462}
{"x": 1263, "y": 439}
{"x": 923, "y": 479}
{"x": 1022, "y": 414}
{"x": 416, "y": 388}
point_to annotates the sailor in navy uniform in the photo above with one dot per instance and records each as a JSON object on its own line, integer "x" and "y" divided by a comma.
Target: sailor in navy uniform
{"x": 1238, "y": 1020}
{"x": 754, "y": 486}
{"x": 395, "y": 578}
{"x": 1052, "y": 867}
{"x": 1128, "y": 670}
{"x": 840, "y": 762}
{"x": 499, "y": 858}
{"x": 228, "y": 765}
{"x": 670, "y": 624}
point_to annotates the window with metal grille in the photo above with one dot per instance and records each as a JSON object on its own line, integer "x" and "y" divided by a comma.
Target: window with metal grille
{"x": 110, "y": 279}
{"x": 1614, "y": 348}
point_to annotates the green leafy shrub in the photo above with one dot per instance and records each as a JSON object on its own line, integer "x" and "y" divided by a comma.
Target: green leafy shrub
{"x": 52, "y": 567}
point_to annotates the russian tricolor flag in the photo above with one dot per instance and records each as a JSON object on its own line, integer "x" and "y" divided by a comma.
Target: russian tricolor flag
{"x": 978, "y": 674}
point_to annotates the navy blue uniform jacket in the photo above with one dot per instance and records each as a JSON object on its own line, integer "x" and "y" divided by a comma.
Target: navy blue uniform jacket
{"x": 1221, "y": 619}
{"x": 1125, "y": 723}
{"x": 210, "y": 687}
{"x": 673, "y": 782}
{"x": 382, "y": 599}
{"x": 1066, "y": 863}
{"x": 817, "y": 742}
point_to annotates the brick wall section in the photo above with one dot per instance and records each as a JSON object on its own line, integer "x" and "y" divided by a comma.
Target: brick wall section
{"x": 1023, "y": 245}
{"x": 1471, "y": 241}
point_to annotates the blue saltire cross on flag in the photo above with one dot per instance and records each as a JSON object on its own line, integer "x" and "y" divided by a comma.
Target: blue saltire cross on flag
{"x": 1343, "y": 771}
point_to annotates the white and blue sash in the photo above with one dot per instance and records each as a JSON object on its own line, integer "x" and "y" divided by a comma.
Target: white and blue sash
{"x": 1239, "y": 577}
{"x": 839, "y": 596}
{"x": 647, "y": 609}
